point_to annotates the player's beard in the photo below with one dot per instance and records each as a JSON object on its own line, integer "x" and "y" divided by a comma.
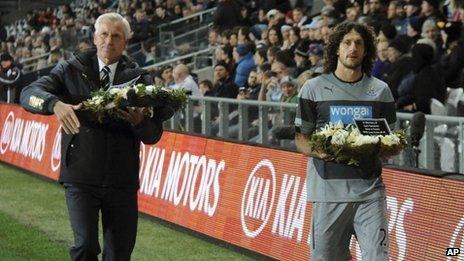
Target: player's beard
{"x": 353, "y": 66}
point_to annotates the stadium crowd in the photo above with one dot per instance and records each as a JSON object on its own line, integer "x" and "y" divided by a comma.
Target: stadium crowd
{"x": 266, "y": 50}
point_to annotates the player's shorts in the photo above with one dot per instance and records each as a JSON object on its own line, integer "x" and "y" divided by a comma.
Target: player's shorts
{"x": 333, "y": 224}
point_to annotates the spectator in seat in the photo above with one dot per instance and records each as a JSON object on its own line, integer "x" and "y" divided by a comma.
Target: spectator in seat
{"x": 224, "y": 86}
{"x": 453, "y": 62}
{"x": 427, "y": 83}
{"x": 381, "y": 60}
{"x": 316, "y": 52}
{"x": 415, "y": 28}
{"x": 225, "y": 54}
{"x": 302, "y": 58}
{"x": 245, "y": 63}
{"x": 260, "y": 56}
{"x": 400, "y": 64}
{"x": 183, "y": 80}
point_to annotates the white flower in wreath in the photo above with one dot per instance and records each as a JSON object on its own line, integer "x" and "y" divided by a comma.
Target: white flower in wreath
{"x": 339, "y": 137}
{"x": 365, "y": 139}
{"x": 150, "y": 89}
{"x": 390, "y": 140}
{"x": 114, "y": 91}
{"x": 123, "y": 92}
{"x": 97, "y": 100}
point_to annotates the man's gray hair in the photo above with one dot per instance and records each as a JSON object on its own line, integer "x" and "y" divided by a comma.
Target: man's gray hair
{"x": 114, "y": 17}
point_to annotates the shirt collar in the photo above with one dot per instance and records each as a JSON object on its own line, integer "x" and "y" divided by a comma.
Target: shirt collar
{"x": 112, "y": 66}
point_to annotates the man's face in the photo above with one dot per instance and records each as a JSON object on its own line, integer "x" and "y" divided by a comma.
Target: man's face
{"x": 252, "y": 78}
{"x": 351, "y": 50}
{"x": 220, "y": 73}
{"x": 297, "y": 15}
{"x": 233, "y": 40}
{"x": 110, "y": 41}
{"x": 375, "y": 5}
{"x": 382, "y": 50}
{"x": 212, "y": 38}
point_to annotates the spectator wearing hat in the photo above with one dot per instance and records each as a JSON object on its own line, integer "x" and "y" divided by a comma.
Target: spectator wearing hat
{"x": 316, "y": 52}
{"x": 400, "y": 63}
{"x": 413, "y": 9}
{"x": 285, "y": 31}
{"x": 275, "y": 18}
{"x": 286, "y": 129}
{"x": 427, "y": 82}
{"x": 224, "y": 86}
{"x": 302, "y": 58}
{"x": 453, "y": 62}
{"x": 415, "y": 28}
{"x": 245, "y": 63}
{"x": 387, "y": 33}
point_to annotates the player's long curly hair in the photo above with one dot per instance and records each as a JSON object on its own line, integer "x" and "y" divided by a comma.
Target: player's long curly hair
{"x": 368, "y": 36}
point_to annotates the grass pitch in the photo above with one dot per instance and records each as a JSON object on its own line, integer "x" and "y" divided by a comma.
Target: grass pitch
{"x": 34, "y": 226}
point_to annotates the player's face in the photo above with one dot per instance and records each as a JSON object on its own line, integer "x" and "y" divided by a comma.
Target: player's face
{"x": 351, "y": 50}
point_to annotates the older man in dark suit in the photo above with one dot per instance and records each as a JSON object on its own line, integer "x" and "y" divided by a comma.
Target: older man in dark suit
{"x": 100, "y": 162}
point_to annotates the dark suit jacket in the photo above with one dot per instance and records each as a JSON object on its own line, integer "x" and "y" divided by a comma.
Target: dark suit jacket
{"x": 104, "y": 154}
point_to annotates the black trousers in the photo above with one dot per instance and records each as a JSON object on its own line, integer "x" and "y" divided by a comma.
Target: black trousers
{"x": 118, "y": 208}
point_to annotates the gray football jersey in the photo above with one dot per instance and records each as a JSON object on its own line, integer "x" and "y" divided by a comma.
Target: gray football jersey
{"x": 325, "y": 99}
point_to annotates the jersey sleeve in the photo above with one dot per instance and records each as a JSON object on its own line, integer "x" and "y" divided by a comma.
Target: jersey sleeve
{"x": 306, "y": 113}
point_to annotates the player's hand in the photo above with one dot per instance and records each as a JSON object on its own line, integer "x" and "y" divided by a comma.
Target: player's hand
{"x": 66, "y": 116}
{"x": 133, "y": 115}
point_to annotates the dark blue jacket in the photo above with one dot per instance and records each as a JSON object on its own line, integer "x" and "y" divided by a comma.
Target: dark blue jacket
{"x": 244, "y": 66}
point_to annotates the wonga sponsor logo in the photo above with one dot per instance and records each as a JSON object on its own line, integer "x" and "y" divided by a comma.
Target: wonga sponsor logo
{"x": 346, "y": 114}
{"x": 258, "y": 198}
{"x": 55, "y": 159}
{"x": 7, "y": 132}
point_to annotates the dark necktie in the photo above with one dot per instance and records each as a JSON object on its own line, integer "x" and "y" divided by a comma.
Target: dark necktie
{"x": 105, "y": 80}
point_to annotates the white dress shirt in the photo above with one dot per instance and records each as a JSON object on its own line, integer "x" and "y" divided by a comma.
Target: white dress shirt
{"x": 112, "y": 67}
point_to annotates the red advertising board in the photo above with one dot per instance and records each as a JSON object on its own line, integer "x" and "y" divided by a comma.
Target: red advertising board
{"x": 250, "y": 196}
